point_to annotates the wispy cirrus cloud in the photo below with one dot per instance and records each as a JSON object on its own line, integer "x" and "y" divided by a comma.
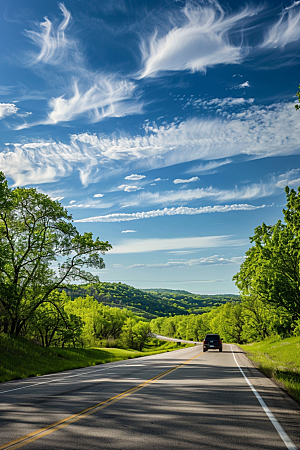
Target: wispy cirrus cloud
{"x": 7, "y": 109}
{"x": 248, "y": 192}
{"x": 286, "y": 30}
{"x": 213, "y": 260}
{"x": 95, "y": 95}
{"x": 106, "y": 97}
{"x": 255, "y": 131}
{"x": 151, "y": 245}
{"x": 182, "y": 210}
{"x": 96, "y": 98}
{"x": 223, "y": 102}
{"x": 291, "y": 178}
{"x": 209, "y": 167}
{"x": 51, "y": 40}
{"x": 197, "y": 38}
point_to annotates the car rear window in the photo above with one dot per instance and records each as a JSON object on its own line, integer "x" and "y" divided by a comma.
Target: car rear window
{"x": 212, "y": 336}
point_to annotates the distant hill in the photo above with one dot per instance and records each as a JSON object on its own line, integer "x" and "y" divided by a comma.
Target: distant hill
{"x": 159, "y": 291}
{"x": 150, "y": 303}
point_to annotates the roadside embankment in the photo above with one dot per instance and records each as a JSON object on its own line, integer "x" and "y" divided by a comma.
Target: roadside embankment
{"x": 279, "y": 359}
{"x": 22, "y": 359}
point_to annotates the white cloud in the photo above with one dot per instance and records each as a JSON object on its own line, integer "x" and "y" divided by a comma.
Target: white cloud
{"x": 243, "y": 85}
{"x": 290, "y": 178}
{"x": 257, "y": 131}
{"x": 7, "y": 109}
{"x": 52, "y": 40}
{"x": 151, "y": 245}
{"x": 224, "y": 102}
{"x": 211, "y": 166}
{"x": 182, "y": 210}
{"x": 190, "y": 180}
{"x": 105, "y": 98}
{"x": 196, "y": 39}
{"x": 213, "y": 260}
{"x": 128, "y": 188}
{"x": 135, "y": 177}
{"x": 98, "y": 195}
{"x": 250, "y": 192}
{"x": 84, "y": 92}
{"x": 286, "y": 30}
{"x": 72, "y": 202}
{"x": 128, "y": 231}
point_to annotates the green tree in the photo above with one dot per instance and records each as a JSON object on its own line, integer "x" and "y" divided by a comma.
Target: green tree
{"x": 40, "y": 250}
{"x": 271, "y": 271}
{"x": 52, "y": 325}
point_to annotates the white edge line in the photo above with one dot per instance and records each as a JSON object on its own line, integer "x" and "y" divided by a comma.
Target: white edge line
{"x": 91, "y": 371}
{"x": 284, "y": 436}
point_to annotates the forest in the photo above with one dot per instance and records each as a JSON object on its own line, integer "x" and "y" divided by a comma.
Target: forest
{"x": 149, "y": 303}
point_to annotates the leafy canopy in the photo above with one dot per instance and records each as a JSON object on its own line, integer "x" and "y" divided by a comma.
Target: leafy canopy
{"x": 40, "y": 250}
{"x": 271, "y": 271}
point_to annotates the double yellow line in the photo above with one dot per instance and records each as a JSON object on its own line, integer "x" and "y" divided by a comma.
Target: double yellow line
{"x": 42, "y": 432}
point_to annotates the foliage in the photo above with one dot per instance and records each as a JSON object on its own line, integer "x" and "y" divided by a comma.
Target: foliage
{"x": 241, "y": 322}
{"x": 146, "y": 303}
{"x": 271, "y": 271}
{"x": 36, "y": 233}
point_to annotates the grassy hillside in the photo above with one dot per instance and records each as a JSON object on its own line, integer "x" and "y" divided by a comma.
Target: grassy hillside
{"x": 149, "y": 304}
{"x": 280, "y": 360}
{"x": 23, "y": 359}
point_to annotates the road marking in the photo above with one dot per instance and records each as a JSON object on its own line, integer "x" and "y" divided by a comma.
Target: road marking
{"x": 42, "y": 432}
{"x": 93, "y": 370}
{"x": 284, "y": 436}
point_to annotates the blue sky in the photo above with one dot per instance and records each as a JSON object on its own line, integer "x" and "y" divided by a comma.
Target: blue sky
{"x": 167, "y": 128}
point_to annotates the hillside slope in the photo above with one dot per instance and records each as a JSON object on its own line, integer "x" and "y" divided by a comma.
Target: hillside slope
{"x": 149, "y": 304}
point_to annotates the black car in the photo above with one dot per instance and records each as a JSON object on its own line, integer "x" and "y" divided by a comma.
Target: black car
{"x": 212, "y": 341}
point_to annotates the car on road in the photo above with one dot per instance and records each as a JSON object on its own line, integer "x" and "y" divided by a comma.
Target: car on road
{"x": 212, "y": 341}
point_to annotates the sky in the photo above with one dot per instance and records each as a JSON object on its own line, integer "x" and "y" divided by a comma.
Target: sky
{"x": 167, "y": 128}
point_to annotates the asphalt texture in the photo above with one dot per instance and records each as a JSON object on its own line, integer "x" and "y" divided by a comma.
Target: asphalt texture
{"x": 201, "y": 401}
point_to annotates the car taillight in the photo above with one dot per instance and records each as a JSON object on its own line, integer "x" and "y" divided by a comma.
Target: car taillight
{"x": 220, "y": 342}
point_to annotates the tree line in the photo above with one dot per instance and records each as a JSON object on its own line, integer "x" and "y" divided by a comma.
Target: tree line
{"x": 148, "y": 303}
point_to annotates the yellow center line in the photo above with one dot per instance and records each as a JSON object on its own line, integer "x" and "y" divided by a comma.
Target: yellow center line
{"x": 42, "y": 432}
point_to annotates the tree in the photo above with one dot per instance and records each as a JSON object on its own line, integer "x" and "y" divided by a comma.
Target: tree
{"x": 298, "y": 95}
{"x": 40, "y": 250}
{"x": 271, "y": 271}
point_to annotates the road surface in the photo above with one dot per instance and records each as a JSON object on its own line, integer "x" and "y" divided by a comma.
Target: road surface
{"x": 184, "y": 399}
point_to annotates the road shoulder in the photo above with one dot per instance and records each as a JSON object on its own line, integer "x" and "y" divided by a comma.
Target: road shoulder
{"x": 284, "y": 407}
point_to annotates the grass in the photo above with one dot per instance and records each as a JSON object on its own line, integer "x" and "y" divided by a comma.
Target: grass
{"x": 278, "y": 359}
{"x": 23, "y": 359}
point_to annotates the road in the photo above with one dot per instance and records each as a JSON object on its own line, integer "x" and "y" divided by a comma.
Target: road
{"x": 184, "y": 399}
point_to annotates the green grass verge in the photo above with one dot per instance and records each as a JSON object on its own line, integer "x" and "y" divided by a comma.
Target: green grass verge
{"x": 22, "y": 359}
{"x": 280, "y": 360}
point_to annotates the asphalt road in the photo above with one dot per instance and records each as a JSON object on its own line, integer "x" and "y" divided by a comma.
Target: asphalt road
{"x": 185, "y": 399}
